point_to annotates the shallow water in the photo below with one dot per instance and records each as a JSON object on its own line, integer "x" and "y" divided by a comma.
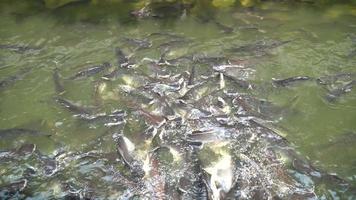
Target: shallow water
{"x": 321, "y": 42}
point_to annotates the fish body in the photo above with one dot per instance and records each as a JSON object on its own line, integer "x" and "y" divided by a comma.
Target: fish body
{"x": 10, "y": 80}
{"x": 124, "y": 149}
{"x": 289, "y": 81}
{"x": 12, "y": 190}
{"x": 259, "y": 47}
{"x": 139, "y": 43}
{"x": 113, "y": 119}
{"x": 193, "y": 184}
{"x": 76, "y": 109}
{"x": 122, "y": 60}
{"x": 331, "y": 79}
{"x": 14, "y": 132}
{"x": 91, "y": 71}
{"x": 211, "y": 60}
{"x": 57, "y": 82}
{"x": 333, "y": 95}
{"x": 18, "y": 48}
{"x": 173, "y": 43}
{"x": 224, "y": 28}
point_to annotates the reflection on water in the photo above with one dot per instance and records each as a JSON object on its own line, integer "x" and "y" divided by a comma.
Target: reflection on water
{"x": 179, "y": 108}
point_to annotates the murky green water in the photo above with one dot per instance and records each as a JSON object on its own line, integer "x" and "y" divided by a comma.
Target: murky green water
{"x": 322, "y": 42}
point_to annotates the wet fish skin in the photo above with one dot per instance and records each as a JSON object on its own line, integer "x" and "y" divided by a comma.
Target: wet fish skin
{"x": 140, "y": 43}
{"x": 14, "y": 154}
{"x": 333, "y": 95}
{"x": 165, "y": 34}
{"x": 330, "y": 79}
{"x": 191, "y": 76}
{"x": 193, "y": 184}
{"x": 12, "y": 189}
{"x": 57, "y": 82}
{"x": 91, "y": 71}
{"x": 224, "y": 28}
{"x": 172, "y": 43}
{"x": 122, "y": 61}
{"x": 211, "y": 60}
{"x": 76, "y": 109}
{"x": 258, "y": 47}
{"x": 241, "y": 83}
{"x": 123, "y": 151}
{"x": 114, "y": 118}
{"x": 15, "y": 132}
{"x": 121, "y": 57}
{"x": 18, "y": 48}
{"x": 10, "y": 80}
{"x": 289, "y": 81}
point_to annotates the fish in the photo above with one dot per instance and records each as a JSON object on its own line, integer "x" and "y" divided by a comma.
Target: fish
{"x": 224, "y": 28}
{"x": 259, "y": 47}
{"x": 347, "y": 139}
{"x": 173, "y": 43}
{"x": 122, "y": 60}
{"x": 179, "y": 61}
{"x": 191, "y": 76}
{"x": 330, "y": 79}
{"x": 222, "y": 176}
{"x": 333, "y": 95}
{"x": 90, "y": 71}
{"x": 211, "y": 60}
{"x": 10, "y": 191}
{"x": 193, "y": 184}
{"x": 10, "y": 80}
{"x": 165, "y": 34}
{"x": 152, "y": 118}
{"x": 157, "y": 173}
{"x": 57, "y": 82}
{"x": 288, "y": 81}
{"x": 72, "y": 107}
{"x": 23, "y": 151}
{"x": 15, "y": 132}
{"x": 18, "y": 48}
{"x": 124, "y": 149}
{"x": 139, "y": 43}
{"x": 50, "y": 165}
{"x": 239, "y": 82}
{"x": 115, "y": 118}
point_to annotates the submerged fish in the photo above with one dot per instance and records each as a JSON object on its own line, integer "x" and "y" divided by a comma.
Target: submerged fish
{"x": 12, "y": 190}
{"x": 191, "y": 76}
{"x": 224, "y": 28}
{"x": 15, "y": 132}
{"x": 259, "y": 47}
{"x": 18, "y": 48}
{"x": 333, "y": 95}
{"x": 165, "y": 34}
{"x": 76, "y": 109}
{"x": 121, "y": 57}
{"x": 91, "y": 71}
{"x": 114, "y": 118}
{"x": 194, "y": 183}
{"x": 173, "y": 43}
{"x": 23, "y": 151}
{"x": 124, "y": 149}
{"x": 211, "y": 60}
{"x": 331, "y": 79}
{"x": 57, "y": 82}
{"x": 289, "y": 81}
{"x": 122, "y": 60}
{"x": 8, "y": 81}
{"x": 139, "y": 43}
